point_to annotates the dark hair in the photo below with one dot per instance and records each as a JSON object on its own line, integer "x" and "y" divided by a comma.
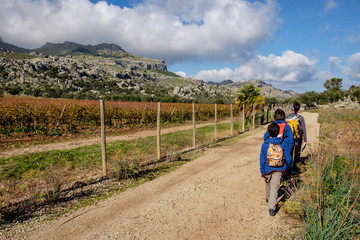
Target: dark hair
{"x": 273, "y": 130}
{"x": 279, "y": 114}
{"x": 296, "y": 106}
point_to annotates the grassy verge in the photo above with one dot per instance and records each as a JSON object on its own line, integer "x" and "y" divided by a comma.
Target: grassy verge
{"x": 32, "y": 181}
{"x": 327, "y": 202}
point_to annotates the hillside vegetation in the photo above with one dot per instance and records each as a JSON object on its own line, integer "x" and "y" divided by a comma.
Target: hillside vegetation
{"x": 327, "y": 200}
{"x": 71, "y": 70}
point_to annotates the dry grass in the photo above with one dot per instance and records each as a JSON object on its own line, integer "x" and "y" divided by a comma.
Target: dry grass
{"x": 328, "y": 200}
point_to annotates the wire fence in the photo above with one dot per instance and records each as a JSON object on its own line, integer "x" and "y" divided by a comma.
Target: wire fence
{"x": 51, "y": 146}
{"x": 31, "y": 126}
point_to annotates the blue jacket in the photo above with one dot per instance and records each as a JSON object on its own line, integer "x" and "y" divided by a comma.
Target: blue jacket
{"x": 288, "y": 136}
{"x": 264, "y": 167}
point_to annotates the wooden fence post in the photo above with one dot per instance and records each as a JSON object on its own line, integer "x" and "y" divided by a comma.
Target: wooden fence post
{"x": 158, "y": 142}
{"x": 231, "y": 119}
{"x": 253, "y": 121}
{"x": 239, "y": 119}
{"x": 61, "y": 116}
{"x": 243, "y": 119}
{"x": 35, "y": 109}
{"x": 215, "y": 122}
{"x": 194, "y": 126}
{"x": 103, "y": 138}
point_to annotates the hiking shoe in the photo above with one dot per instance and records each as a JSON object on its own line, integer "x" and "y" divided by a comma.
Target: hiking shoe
{"x": 272, "y": 212}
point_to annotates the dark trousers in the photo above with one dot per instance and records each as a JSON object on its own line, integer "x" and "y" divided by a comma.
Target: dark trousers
{"x": 295, "y": 152}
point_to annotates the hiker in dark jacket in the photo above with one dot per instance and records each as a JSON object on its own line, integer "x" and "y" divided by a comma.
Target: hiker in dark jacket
{"x": 300, "y": 136}
{"x": 272, "y": 175}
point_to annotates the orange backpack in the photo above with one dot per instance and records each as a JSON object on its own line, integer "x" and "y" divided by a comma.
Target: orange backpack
{"x": 275, "y": 155}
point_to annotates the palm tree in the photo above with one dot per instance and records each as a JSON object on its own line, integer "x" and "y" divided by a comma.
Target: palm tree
{"x": 248, "y": 95}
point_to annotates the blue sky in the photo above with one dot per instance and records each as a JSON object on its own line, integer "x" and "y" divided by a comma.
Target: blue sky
{"x": 290, "y": 44}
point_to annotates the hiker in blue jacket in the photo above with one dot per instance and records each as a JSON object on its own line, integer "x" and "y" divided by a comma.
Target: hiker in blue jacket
{"x": 285, "y": 130}
{"x": 272, "y": 175}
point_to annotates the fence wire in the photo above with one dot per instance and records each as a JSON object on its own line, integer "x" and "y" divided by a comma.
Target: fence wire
{"x": 52, "y": 145}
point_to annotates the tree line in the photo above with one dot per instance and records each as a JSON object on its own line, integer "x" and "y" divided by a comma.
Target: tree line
{"x": 249, "y": 94}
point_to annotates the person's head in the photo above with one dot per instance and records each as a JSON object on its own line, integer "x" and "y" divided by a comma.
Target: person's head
{"x": 296, "y": 107}
{"x": 279, "y": 115}
{"x": 273, "y": 130}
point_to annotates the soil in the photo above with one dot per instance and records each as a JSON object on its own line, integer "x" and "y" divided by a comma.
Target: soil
{"x": 219, "y": 195}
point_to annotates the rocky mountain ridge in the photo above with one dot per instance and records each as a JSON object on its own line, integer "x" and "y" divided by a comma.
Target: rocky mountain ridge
{"x": 71, "y": 70}
{"x": 267, "y": 90}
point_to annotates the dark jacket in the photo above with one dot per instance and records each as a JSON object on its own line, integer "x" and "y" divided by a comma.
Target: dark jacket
{"x": 264, "y": 167}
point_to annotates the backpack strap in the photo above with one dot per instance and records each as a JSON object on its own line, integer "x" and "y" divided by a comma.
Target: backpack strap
{"x": 282, "y": 129}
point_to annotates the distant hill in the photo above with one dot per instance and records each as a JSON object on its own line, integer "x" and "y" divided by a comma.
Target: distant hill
{"x": 14, "y": 48}
{"x": 225, "y": 82}
{"x": 71, "y": 48}
{"x": 267, "y": 90}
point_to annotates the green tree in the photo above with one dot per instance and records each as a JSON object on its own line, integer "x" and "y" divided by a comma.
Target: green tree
{"x": 354, "y": 93}
{"x": 248, "y": 95}
{"x": 333, "y": 84}
{"x": 333, "y": 91}
{"x": 309, "y": 98}
{"x": 271, "y": 100}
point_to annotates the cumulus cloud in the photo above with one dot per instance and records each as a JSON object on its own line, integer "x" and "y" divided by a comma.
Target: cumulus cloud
{"x": 172, "y": 30}
{"x": 349, "y": 66}
{"x": 290, "y": 68}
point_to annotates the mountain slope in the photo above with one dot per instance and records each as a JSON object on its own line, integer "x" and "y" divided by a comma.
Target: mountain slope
{"x": 267, "y": 90}
{"x": 14, "y": 48}
{"x": 72, "y": 70}
{"x": 127, "y": 78}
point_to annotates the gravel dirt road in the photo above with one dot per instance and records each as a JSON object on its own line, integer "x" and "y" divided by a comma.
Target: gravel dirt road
{"x": 219, "y": 195}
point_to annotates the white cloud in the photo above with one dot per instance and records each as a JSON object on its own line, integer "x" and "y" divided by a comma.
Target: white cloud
{"x": 351, "y": 69}
{"x": 330, "y": 4}
{"x": 172, "y": 30}
{"x": 290, "y": 68}
{"x": 324, "y": 75}
{"x": 215, "y": 75}
{"x": 181, "y": 74}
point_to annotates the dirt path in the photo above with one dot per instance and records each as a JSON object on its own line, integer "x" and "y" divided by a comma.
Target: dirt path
{"x": 219, "y": 195}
